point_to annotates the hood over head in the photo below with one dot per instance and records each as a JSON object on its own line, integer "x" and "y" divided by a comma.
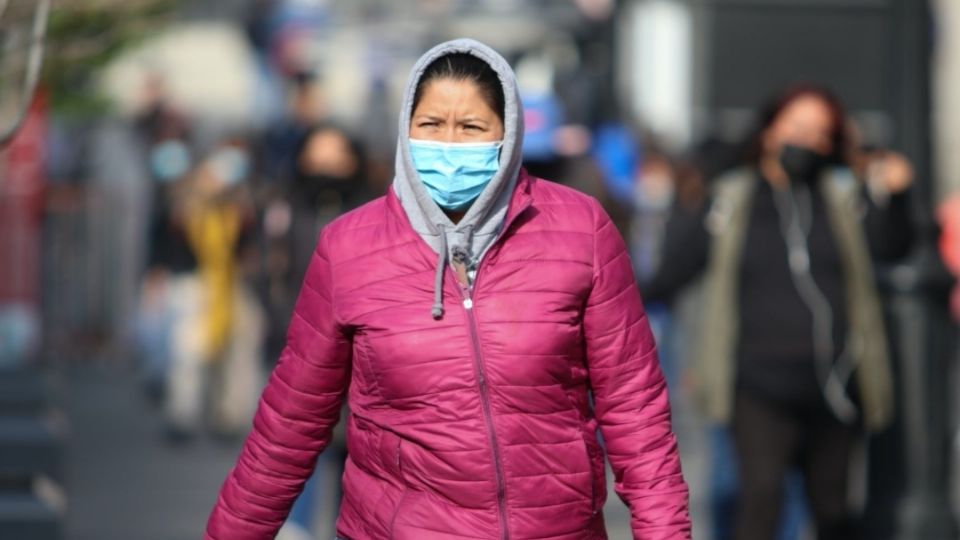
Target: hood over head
{"x": 481, "y": 224}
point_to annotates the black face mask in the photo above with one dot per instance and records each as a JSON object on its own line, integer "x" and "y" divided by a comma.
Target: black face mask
{"x": 320, "y": 189}
{"x": 802, "y": 164}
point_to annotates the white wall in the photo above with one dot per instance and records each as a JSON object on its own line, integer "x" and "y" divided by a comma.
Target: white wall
{"x": 657, "y": 63}
{"x": 946, "y": 97}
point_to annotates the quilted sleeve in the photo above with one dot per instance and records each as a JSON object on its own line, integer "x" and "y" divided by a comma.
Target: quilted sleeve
{"x": 297, "y": 412}
{"x": 630, "y": 395}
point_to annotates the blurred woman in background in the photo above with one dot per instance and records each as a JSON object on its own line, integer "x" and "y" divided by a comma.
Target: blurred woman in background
{"x": 169, "y": 156}
{"x": 329, "y": 179}
{"x": 218, "y": 335}
{"x": 793, "y": 352}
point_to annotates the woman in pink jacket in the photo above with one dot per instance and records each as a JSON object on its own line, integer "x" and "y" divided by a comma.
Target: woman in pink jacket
{"x": 468, "y": 317}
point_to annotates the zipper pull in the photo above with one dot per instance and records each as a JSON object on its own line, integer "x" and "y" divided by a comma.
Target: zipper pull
{"x": 468, "y": 303}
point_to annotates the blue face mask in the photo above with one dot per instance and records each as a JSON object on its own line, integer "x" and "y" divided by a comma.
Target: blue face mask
{"x": 169, "y": 160}
{"x": 231, "y": 165}
{"x": 455, "y": 173}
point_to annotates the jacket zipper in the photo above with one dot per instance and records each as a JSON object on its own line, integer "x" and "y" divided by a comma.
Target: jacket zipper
{"x": 467, "y": 301}
{"x": 487, "y": 415}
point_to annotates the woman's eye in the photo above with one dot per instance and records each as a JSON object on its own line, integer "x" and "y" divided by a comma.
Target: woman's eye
{"x": 470, "y": 127}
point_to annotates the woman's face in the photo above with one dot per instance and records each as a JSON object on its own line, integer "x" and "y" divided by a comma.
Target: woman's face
{"x": 807, "y": 122}
{"x": 328, "y": 153}
{"x": 454, "y": 111}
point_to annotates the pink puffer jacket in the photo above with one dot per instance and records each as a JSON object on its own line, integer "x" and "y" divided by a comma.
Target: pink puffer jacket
{"x": 477, "y": 425}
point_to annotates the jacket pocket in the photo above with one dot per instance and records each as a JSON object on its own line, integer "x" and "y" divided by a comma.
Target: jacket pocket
{"x": 393, "y": 453}
{"x": 390, "y": 446}
{"x": 592, "y": 451}
{"x": 396, "y": 512}
{"x": 593, "y": 479}
{"x": 363, "y": 442}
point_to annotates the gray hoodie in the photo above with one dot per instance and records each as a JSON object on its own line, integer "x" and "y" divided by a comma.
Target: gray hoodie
{"x": 482, "y": 223}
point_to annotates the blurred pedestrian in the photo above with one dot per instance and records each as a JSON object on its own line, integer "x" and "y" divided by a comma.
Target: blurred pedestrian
{"x": 470, "y": 315}
{"x": 305, "y": 109}
{"x": 217, "y": 337}
{"x": 948, "y": 214}
{"x": 793, "y": 352}
{"x": 655, "y": 187}
{"x": 169, "y": 158}
{"x": 329, "y": 179}
{"x": 677, "y": 340}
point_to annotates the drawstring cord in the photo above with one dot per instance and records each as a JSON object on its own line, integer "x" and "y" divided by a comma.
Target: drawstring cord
{"x": 437, "y": 311}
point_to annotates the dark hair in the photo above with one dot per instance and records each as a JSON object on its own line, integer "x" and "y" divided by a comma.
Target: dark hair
{"x": 773, "y": 108}
{"x": 464, "y": 67}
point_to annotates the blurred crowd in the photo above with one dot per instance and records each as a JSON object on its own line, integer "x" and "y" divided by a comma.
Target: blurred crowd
{"x": 207, "y": 227}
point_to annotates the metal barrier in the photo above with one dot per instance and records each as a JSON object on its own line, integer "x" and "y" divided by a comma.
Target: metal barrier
{"x": 80, "y": 270}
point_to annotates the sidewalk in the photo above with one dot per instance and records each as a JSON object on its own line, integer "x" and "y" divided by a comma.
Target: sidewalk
{"x": 123, "y": 482}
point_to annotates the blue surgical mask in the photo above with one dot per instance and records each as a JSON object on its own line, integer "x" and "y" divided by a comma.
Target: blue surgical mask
{"x": 169, "y": 160}
{"x": 455, "y": 173}
{"x": 231, "y": 165}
